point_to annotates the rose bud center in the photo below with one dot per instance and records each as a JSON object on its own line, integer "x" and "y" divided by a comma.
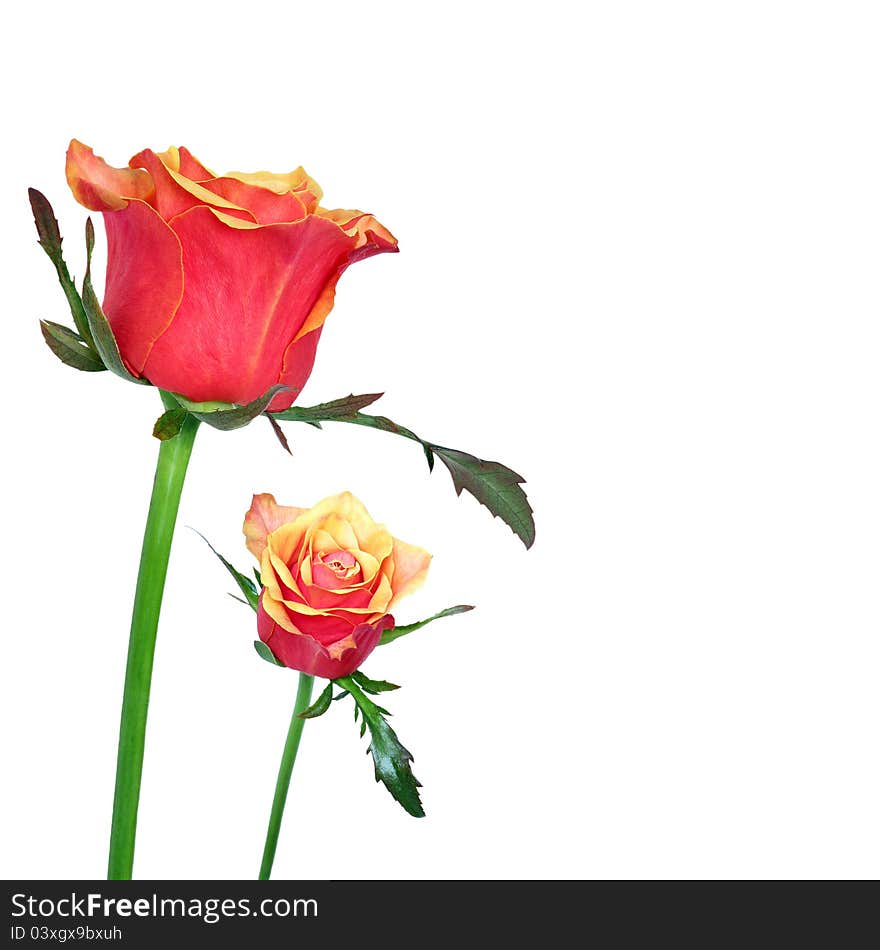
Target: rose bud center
{"x": 336, "y": 569}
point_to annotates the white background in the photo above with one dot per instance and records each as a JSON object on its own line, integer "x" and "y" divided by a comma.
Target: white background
{"x": 640, "y": 248}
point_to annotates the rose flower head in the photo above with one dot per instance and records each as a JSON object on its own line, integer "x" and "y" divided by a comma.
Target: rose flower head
{"x": 218, "y": 285}
{"x": 330, "y": 576}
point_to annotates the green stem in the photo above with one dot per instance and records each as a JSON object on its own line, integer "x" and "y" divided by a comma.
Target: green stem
{"x": 291, "y": 744}
{"x": 167, "y": 485}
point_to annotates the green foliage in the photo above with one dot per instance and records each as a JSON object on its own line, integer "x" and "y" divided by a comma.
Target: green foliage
{"x": 226, "y": 416}
{"x": 264, "y": 653}
{"x": 391, "y": 760}
{"x": 70, "y": 347}
{"x": 169, "y": 423}
{"x": 50, "y": 241}
{"x": 336, "y": 410}
{"x": 494, "y": 485}
{"x": 389, "y": 636}
{"x": 102, "y": 334}
{"x": 279, "y": 434}
{"x": 245, "y": 584}
{"x": 320, "y": 705}
{"x": 374, "y": 687}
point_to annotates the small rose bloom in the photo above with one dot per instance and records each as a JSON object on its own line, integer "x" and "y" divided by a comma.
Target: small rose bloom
{"x": 218, "y": 286}
{"x": 330, "y": 577}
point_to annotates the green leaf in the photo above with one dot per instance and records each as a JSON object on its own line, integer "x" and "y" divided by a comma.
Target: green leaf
{"x": 70, "y": 348}
{"x": 105, "y": 342}
{"x": 374, "y": 687}
{"x": 320, "y": 705}
{"x": 491, "y": 483}
{"x": 389, "y": 636}
{"x": 50, "y": 242}
{"x": 245, "y": 584}
{"x": 259, "y": 577}
{"x": 391, "y": 759}
{"x": 226, "y": 416}
{"x": 264, "y": 653}
{"x": 168, "y": 424}
{"x": 337, "y": 409}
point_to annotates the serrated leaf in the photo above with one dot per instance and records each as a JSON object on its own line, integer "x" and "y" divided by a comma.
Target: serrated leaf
{"x": 389, "y": 636}
{"x": 264, "y": 653}
{"x": 168, "y": 425}
{"x": 70, "y": 348}
{"x": 337, "y": 409}
{"x": 391, "y": 760}
{"x": 494, "y": 485}
{"x": 50, "y": 242}
{"x": 226, "y": 416}
{"x": 320, "y": 705}
{"x": 102, "y": 334}
{"x": 374, "y": 687}
{"x": 245, "y": 584}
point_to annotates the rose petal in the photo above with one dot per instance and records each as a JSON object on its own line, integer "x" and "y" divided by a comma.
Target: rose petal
{"x": 297, "y": 182}
{"x": 327, "y": 599}
{"x": 411, "y": 565}
{"x": 101, "y": 187}
{"x": 264, "y": 516}
{"x": 192, "y": 167}
{"x": 302, "y": 652}
{"x": 267, "y": 207}
{"x": 175, "y": 193}
{"x": 381, "y": 599}
{"x": 144, "y": 283}
{"x": 299, "y": 358}
{"x": 249, "y": 292}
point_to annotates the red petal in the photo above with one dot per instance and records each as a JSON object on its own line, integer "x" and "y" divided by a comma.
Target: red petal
{"x": 301, "y": 652}
{"x": 99, "y": 186}
{"x": 144, "y": 280}
{"x": 266, "y": 206}
{"x": 249, "y": 293}
{"x": 175, "y": 193}
{"x": 192, "y": 167}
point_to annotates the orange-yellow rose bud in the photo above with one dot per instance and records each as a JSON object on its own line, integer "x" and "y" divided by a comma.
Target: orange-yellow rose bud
{"x": 331, "y": 576}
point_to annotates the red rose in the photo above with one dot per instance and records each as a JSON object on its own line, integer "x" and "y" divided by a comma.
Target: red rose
{"x": 218, "y": 287}
{"x": 330, "y": 575}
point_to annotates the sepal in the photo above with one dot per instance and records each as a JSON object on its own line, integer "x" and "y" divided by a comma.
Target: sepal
{"x": 225, "y": 415}
{"x": 374, "y": 687}
{"x": 245, "y": 584}
{"x": 70, "y": 347}
{"x": 264, "y": 653}
{"x": 320, "y": 705}
{"x": 99, "y": 326}
{"x": 168, "y": 425}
